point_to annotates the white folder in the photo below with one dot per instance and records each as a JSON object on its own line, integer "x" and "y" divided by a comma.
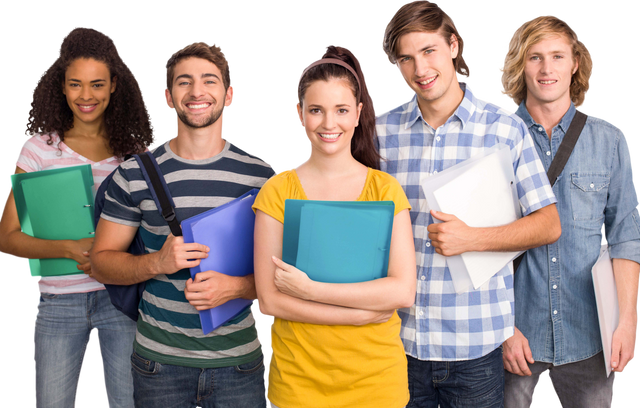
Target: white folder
{"x": 480, "y": 191}
{"x": 604, "y": 285}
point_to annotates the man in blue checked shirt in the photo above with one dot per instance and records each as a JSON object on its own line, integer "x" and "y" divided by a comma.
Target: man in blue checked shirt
{"x": 547, "y": 73}
{"x": 453, "y": 341}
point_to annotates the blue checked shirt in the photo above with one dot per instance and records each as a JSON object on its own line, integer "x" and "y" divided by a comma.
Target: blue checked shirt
{"x": 442, "y": 325}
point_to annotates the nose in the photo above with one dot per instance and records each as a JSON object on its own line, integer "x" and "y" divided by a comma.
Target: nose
{"x": 197, "y": 90}
{"x": 86, "y": 93}
{"x": 329, "y": 121}
{"x": 546, "y": 67}
{"x": 421, "y": 67}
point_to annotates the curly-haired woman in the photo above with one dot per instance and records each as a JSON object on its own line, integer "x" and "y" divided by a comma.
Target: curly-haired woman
{"x": 86, "y": 109}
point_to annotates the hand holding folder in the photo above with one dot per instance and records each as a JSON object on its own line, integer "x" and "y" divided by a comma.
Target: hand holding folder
{"x": 481, "y": 192}
{"x": 338, "y": 241}
{"x": 606, "y": 292}
{"x": 55, "y": 205}
{"x": 228, "y": 232}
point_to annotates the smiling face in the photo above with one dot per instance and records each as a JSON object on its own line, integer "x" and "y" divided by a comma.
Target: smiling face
{"x": 425, "y": 60}
{"x": 330, "y": 114}
{"x": 198, "y": 93}
{"x": 548, "y": 70}
{"x": 88, "y": 88}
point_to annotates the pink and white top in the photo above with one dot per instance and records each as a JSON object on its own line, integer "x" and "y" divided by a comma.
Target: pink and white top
{"x": 37, "y": 155}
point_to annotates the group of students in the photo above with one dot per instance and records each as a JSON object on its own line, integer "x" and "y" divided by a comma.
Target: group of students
{"x": 407, "y": 339}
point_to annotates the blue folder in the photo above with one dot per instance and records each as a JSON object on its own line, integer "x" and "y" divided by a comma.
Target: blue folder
{"x": 338, "y": 241}
{"x": 228, "y": 232}
{"x": 55, "y": 204}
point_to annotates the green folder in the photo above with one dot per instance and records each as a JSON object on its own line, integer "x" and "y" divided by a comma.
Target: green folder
{"x": 338, "y": 241}
{"x": 55, "y": 204}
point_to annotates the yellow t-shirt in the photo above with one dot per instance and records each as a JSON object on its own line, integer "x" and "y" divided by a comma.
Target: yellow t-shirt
{"x": 335, "y": 366}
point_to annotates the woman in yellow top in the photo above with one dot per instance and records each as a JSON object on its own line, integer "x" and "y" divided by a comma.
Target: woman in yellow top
{"x": 335, "y": 345}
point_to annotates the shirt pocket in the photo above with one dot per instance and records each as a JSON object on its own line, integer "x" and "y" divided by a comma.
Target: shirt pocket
{"x": 589, "y": 195}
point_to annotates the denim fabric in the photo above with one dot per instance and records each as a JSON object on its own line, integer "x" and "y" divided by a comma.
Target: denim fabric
{"x": 583, "y": 384}
{"x": 63, "y": 326}
{"x": 555, "y": 301}
{"x": 477, "y": 383}
{"x": 164, "y": 385}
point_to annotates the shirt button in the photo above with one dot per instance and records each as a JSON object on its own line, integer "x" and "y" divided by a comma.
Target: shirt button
{"x": 438, "y": 139}
{"x": 540, "y": 128}
{"x": 428, "y": 244}
{"x": 591, "y": 185}
{"x": 435, "y": 172}
{"x": 423, "y": 277}
{"x": 555, "y": 312}
{"x": 421, "y": 313}
{"x": 548, "y": 153}
{"x": 553, "y": 259}
{"x": 555, "y": 286}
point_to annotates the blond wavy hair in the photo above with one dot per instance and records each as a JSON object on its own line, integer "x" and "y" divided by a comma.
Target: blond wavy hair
{"x": 532, "y": 33}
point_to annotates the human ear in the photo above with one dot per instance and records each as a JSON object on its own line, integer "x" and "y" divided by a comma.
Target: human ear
{"x": 453, "y": 40}
{"x": 228, "y": 96}
{"x": 359, "y": 111}
{"x": 300, "y": 114}
{"x": 167, "y": 94}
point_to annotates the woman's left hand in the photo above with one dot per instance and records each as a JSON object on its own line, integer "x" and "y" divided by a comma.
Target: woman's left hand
{"x": 291, "y": 280}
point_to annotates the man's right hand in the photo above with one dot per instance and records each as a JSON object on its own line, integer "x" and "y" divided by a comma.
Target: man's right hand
{"x": 516, "y": 353}
{"x": 176, "y": 255}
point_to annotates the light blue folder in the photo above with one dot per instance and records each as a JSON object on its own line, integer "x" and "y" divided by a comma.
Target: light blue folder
{"x": 338, "y": 241}
{"x": 228, "y": 232}
{"x": 55, "y": 204}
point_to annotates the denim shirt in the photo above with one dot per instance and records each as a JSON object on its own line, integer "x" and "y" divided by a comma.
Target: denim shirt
{"x": 554, "y": 298}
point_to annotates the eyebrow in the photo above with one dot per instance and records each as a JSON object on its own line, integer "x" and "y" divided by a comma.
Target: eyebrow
{"x": 94, "y": 81}
{"x": 206, "y": 75}
{"x": 342, "y": 105}
{"x": 423, "y": 49}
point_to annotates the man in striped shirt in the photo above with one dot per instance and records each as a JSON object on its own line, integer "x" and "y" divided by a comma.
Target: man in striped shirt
{"x": 174, "y": 364}
{"x": 453, "y": 340}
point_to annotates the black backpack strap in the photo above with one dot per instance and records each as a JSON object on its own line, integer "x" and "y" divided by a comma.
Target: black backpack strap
{"x": 566, "y": 147}
{"x": 562, "y": 157}
{"x": 161, "y": 192}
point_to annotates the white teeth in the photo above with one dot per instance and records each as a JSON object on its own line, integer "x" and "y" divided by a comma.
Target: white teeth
{"x": 428, "y": 81}
{"x": 199, "y": 106}
{"x": 547, "y": 82}
{"x": 86, "y": 106}
{"x": 329, "y": 135}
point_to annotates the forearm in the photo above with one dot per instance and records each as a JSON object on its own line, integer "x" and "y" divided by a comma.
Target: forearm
{"x": 626, "y": 274}
{"x": 123, "y": 268}
{"x": 278, "y": 304}
{"x": 542, "y": 227}
{"x": 25, "y": 246}
{"x": 379, "y": 294}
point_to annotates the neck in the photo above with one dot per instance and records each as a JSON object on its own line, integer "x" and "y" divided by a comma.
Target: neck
{"x": 438, "y": 111}
{"x": 200, "y": 143}
{"x": 87, "y": 130}
{"x": 548, "y": 114}
{"x": 332, "y": 166}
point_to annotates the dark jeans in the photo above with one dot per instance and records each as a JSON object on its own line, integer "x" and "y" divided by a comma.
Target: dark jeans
{"x": 477, "y": 383}
{"x": 158, "y": 385}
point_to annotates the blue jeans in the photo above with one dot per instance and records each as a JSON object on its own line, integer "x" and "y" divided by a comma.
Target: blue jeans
{"x": 582, "y": 384}
{"x": 63, "y": 326}
{"x": 164, "y": 385}
{"x": 477, "y": 383}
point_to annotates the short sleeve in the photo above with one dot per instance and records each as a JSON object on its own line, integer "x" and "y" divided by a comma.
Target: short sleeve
{"x": 384, "y": 187}
{"x": 119, "y": 206}
{"x": 30, "y": 158}
{"x": 270, "y": 199}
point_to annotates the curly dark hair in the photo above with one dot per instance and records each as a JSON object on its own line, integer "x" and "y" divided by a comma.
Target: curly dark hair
{"x": 126, "y": 119}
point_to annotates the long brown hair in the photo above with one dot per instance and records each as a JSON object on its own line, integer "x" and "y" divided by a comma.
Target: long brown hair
{"x": 362, "y": 144}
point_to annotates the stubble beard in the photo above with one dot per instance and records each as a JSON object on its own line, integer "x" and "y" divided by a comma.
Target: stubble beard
{"x": 213, "y": 118}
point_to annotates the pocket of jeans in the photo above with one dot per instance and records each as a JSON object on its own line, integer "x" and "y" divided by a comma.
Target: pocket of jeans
{"x": 144, "y": 366}
{"x": 44, "y": 295}
{"x": 251, "y": 366}
{"x": 589, "y": 195}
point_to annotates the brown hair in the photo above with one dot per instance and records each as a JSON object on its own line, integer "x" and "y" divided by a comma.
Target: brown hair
{"x": 532, "y": 33}
{"x": 201, "y": 50}
{"x": 422, "y": 16}
{"x": 362, "y": 144}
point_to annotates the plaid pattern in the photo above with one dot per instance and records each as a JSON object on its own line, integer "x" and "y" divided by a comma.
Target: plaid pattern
{"x": 441, "y": 325}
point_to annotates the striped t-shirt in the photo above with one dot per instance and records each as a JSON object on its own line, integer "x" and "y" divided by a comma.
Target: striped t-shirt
{"x": 37, "y": 154}
{"x": 169, "y": 329}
